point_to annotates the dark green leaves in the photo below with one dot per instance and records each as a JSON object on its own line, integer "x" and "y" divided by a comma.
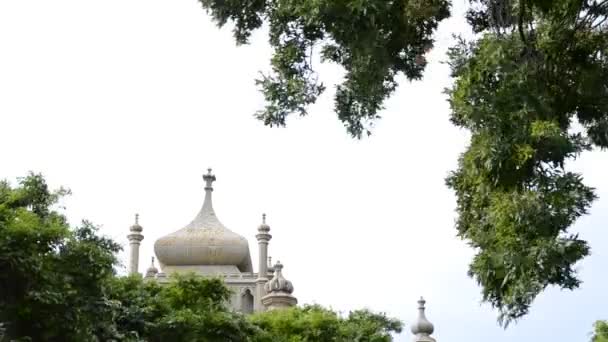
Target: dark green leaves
{"x": 52, "y": 277}
{"x": 374, "y": 41}
{"x": 188, "y": 308}
{"x": 314, "y": 323}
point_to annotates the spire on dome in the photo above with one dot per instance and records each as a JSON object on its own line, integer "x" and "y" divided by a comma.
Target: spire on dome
{"x": 209, "y": 178}
{"x": 422, "y": 329}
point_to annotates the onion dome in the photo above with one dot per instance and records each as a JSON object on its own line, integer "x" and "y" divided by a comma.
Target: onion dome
{"x": 278, "y": 283}
{"x": 136, "y": 228}
{"x": 422, "y": 329}
{"x": 152, "y": 270}
{"x": 204, "y": 241}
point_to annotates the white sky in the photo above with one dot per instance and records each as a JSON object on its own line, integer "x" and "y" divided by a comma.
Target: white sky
{"x": 128, "y": 102}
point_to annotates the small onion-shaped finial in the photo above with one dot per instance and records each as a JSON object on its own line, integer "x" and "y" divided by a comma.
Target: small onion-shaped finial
{"x": 136, "y": 228}
{"x": 422, "y": 327}
{"x": 278, "y": 283}
{"x": 152, "y": 270}
{"x": 263, "y": 228}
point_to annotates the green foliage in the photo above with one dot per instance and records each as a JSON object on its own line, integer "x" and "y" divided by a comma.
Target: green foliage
{"x": 314, "y": 323}
{"x": 600, "y": 331}
{"x": 51, "y": 276}
{"x": 188, "y": 308}
{"x": 519, "y": 95}
{"x": 374, "y": 41}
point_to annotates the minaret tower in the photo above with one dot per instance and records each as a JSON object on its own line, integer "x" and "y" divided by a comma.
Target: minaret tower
{"x": 422, "y": 329}
{"x": 135, "y": 239}
{"x": 263, "y": 237}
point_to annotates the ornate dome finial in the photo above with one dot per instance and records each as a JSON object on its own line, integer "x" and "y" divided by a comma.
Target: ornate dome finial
{"x": 136, "y": 228}
{"x": 278, "y": 284}
{"x": 422, "y": 329}
{"x": 209, "y": 178}
{"x": 263, "y": 228}
{"x": 152, "y": 270}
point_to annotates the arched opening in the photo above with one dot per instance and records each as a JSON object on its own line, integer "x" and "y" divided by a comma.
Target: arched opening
{"x": 247, "y": 302}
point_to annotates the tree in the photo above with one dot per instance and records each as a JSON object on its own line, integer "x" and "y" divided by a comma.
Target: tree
{"x": 374, "y": 41}
{"x": 188, "y": 308}
{"x": 191, "y": 308}
{"x": 314, "y": 323}
{"x": 600, "y": 331}
{"x": 52, "y": 277}
{"x": 519, "y": 88}
{"x": 535, "y": 68}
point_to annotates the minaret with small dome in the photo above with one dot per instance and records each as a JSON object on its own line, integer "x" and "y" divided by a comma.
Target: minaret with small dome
{"x": 135, "y": 239}
{"x": 263, "y": 238}
{"x": 207, "y": 248}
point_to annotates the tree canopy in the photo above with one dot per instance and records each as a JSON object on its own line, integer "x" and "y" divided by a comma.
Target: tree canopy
{"x": 531, "y": 87}
{"x": 52, "y": 276}
{"x": 600, "y": 331}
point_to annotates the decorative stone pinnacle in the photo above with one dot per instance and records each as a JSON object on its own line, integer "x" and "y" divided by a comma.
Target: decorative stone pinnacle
{"x": 136, "y": 228}
{"x": 422, "y": 329}
{"x": 209, "y": 178}
{"x": 270, "y": 261}
{"x": 152, "y": 270}
{"x": 278, "y": 284}
{"x": 421, "y": 303}
{"x": 278, "y": 291}
{"x": 263, "y": 229}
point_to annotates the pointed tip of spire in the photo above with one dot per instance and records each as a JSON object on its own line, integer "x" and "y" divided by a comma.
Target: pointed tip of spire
{"x": 209, "y": 178}
{"x": 421, "y": 302}
{"x": 136, "y": 218}
{"x": 264, "y": 218}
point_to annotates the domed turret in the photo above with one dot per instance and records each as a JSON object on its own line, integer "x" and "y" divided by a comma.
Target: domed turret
{"x": 278, "y": 283}
{"x": 422, "y": 329}
{"x": 152, "y": 270}
{"x": 278, "y": 291}
{"x": 205, "y": 244}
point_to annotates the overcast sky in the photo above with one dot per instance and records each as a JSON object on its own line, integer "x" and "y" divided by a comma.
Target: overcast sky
{"x": 128, "y": 102}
